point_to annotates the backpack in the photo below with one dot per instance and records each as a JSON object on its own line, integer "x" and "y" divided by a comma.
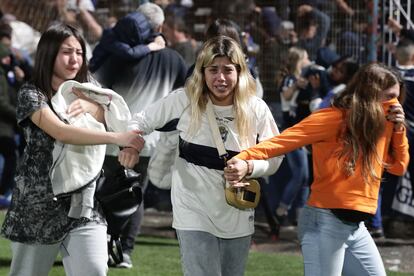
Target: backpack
{"x": 119, "y": 195}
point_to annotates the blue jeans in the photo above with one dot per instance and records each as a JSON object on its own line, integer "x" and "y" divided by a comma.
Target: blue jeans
{"x": 290, "y": 182}
{"x": 410, "y": 136}
{"x": 298, "y": 163}
{"x": 376, "y": 221}
{"x": 8, "y": 149}
{"x": 331, "y": 247}
{"x": 203, "y": 254}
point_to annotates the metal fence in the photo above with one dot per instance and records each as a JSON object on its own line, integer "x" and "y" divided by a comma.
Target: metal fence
{"x": 357, "y": 28}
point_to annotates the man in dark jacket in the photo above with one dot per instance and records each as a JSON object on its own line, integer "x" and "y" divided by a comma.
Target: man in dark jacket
{"x": 130, "y": 39}
{"x": 141, "y": 82}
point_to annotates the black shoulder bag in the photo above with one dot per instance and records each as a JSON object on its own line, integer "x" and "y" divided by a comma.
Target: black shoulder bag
{"x": 120, "y": 195}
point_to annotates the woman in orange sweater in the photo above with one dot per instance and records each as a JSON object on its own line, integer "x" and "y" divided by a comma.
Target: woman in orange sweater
{"x": 353, "y": 142}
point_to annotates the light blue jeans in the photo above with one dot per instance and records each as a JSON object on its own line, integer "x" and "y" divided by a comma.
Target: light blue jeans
{"x": 203, "y": 254}
{"x": 331, "y": 247}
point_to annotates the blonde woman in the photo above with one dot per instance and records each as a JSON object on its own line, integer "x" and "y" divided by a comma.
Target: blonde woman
{"x": 289, "y": 82}
{"x": 214, "y": 237}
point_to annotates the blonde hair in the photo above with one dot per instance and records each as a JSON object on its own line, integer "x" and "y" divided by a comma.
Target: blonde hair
{"x": 295, "y": 55}
{"x": 197, "y": 91}
{"x": 364, "y": 116}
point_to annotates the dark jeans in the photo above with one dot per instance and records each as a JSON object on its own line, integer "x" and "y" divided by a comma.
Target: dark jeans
{"x": 298, "y": 164}
{"x": 133, "y": 227}
{"x": 8, "y": 150}
{"x": 410, "y": 136}
{"x": 385, "y": 198}
{"x": 290, "y": 182}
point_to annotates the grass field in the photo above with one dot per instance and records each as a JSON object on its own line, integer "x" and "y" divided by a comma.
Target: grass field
{"x": 154, "y": 256}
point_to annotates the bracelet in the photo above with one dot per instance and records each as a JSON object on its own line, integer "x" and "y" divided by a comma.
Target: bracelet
{"x": 248, "y": 168}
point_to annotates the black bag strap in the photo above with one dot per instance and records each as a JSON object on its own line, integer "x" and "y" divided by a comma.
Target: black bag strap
{"x": 115, "y": 249}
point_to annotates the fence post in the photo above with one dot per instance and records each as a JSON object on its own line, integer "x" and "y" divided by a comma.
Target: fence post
{"x": 372, "y": 30}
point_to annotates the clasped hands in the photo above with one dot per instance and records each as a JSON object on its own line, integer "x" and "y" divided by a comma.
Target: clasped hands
{"x": 235, "y": 171}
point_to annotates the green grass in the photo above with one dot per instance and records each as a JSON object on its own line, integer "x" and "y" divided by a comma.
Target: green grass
{"x": 155, "y": 256}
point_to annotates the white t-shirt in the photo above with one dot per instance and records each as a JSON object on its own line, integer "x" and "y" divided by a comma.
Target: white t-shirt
{"x": 197, "y": 190}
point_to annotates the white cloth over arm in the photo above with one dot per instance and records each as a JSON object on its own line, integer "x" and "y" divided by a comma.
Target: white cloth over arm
{"x": 76, "y": 166}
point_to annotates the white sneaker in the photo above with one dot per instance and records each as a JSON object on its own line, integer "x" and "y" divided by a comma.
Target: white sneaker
{"x": 126, "y": 263}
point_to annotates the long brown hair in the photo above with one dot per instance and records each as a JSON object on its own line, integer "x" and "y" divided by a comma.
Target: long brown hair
{"x": 364, "y": 116}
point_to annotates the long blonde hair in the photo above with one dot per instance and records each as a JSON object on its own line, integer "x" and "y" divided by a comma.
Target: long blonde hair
{"x": 294, "y": 56}
{"x": 364, "y": 116}
{"x": 197, "y": 90}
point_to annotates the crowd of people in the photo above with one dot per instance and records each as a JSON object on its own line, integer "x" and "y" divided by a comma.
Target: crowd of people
{"x": 345, "y": 130}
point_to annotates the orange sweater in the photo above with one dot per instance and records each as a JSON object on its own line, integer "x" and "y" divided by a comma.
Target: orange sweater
{"x": 331, "y": 188}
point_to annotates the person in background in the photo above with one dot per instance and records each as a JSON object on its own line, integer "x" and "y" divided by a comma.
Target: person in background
{"x": 38, "y": 223}
{"x": 289, "y": 82}
{"x": 140, "y": 82}
{"x": 17, "y": 69}
{"x": 7, "y": 132}
{"x": 405, "y": 65}
{"x": 312, "y": 28}
{"x": 399, "y": 30}
{"x": 214, "y": 236}
{"x": 23, "y": 40}
{"x": 353, "y": 142}
{"x": 178, "y": 37}
{"x": 80, "y": 13}
{"x": 337, "y": 77}
{"x": 21, "y": 65}
{"x": 130, "y": 39}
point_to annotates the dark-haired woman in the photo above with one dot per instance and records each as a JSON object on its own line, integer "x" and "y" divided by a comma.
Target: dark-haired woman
{"x": 37, "y": 223}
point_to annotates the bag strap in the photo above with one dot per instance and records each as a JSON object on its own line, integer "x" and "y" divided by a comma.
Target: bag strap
{"x": 115, "y": 249}
{"x": 215, "y": 130}
{"x": 216, "y": 134}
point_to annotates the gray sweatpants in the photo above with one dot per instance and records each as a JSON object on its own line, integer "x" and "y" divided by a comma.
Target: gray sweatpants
{"x": 204, "y": 254}
{"x": 84, "y": 252}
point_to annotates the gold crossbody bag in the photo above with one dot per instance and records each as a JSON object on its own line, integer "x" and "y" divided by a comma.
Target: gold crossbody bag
{"x": 238, "y": 197}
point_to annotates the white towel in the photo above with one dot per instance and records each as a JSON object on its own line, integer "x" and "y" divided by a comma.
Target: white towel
{"x": 77, "y": 166}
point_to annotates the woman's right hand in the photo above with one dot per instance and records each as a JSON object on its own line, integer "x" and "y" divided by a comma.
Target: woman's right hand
{"x": 397, "y": 116}
{"x": 130, "y": 139}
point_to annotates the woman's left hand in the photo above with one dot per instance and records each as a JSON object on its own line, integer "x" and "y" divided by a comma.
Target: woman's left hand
{"x": 84, "y": 105}
{"x": 397, "y": 116}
